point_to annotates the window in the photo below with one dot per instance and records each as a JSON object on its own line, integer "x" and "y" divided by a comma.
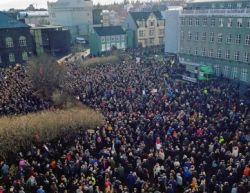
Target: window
{"x": 11, "y": 57}
{"x": 182, "y": 21}
{"x": 107, "y": 38}
{"x": 220, "y": 22}
{"x": 203, "y": 52}
{"x": 229, "y": 5}
{"x": 219, "y": 53}
{"x": 161, "y": 32}
{"x": 197, "y": 21}
{"x": 217, "y": 69}
{"x": 243, "y": 74}
{"x": 189, "y": 51}
{"x": 230, "y": 22}
{"x": 204, "y": 36}
{"x": 204, "y": 21}
{"x": 248, "y": 23}
{"x": 103, "y": 39}
{"x": 196, "y": 37}
{"x": 182, "y": 35}
{"x": 239, "y": 22}
{"x": 108, "y": 47}
{"x": 9, "y": 42}
{"x": 151, "y": 40}
{"x": 103, "y": 47}
{"x": 246, "y": 58}
{"x": 117, "y": 38}
{"x": 229, "y": 38}
{"x": 238, "y": 39}
{"x": 123, "y": 38}
{"x": 161, "y": 40}
{"x": 234, "y": 72}
{"x": 118, "y": 45}
{"x": 247, "y": 40}
{"x": 213, "y": 22}
{"x": 212, "y": 37}
{"x": 141, "y": 33}
{"x": 152, "y": 23}
{"x": 151, "y": 32}
{"x": 196, "y": 51}
{"x": 227, "y": 54}
{"x": 237, "y": 56}
{"x": 122, "y": 45}
{"x": 190, "y": 21}
{"x": 24, "y": 56}
{"x": 239, "y": 5}
{"x": 211, "y": 53}
{"x": 219, "y": 40}
{"x": 112, "y": 38}
{"x": 189, "y": 35}
{"x": 22, "y": 41}
{"x": 226, "y": 71}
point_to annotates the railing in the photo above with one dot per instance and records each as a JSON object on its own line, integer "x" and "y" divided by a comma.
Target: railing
{"x": 217, "y": 12}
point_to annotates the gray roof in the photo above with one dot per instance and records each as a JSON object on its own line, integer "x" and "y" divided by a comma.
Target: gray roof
{"x": 109, "y": 30}
{"x": 9, "y": 22}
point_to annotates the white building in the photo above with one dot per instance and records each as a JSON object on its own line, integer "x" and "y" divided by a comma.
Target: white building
{"x": 172, "y": 30}
{"x": 35, "y": 18}
{"x": 76, "y": 15}
{"x": 110, "y": 18}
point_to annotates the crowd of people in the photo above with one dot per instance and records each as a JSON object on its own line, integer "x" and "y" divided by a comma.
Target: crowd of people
{"x": 161, "y": 135}
{"x": 17, "y": 94}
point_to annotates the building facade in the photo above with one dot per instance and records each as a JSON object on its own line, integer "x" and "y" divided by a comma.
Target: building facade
{"x": 35, "y": 18}
{"x": 103, "y": 39}
{"x": 15, "y": 41}
{"x": 217, "y": 33}
{"x": 172, "y": 29}
{"x": 53, "y": 40}
{"x": 76, "y": 15}
{"x": 148, "y": 28}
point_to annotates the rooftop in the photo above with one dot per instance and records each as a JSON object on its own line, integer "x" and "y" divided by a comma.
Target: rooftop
{"x": 9, "y": 22}
{"x": 109, "y": 30}
{"x": 144, "y": 15}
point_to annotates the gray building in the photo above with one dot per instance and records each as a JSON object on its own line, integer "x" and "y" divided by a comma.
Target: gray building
{"x": 172, "y": 30}
{"x": 76, "y": 15}
{"x": 217, "y": 34}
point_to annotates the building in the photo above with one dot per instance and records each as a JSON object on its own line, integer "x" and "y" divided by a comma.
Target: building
{"x": 148, "y": 28}
{"x": 103, "y": 39}
{"x": 15, "y": 41}
{"x": 172, "y": 29}
{"x": 76, "y": 15}
{"x": 53, "y": 40}
{"x": 110, "y": 18}
{"x": 35, "y": 18}
{"x": 216, "y": 33}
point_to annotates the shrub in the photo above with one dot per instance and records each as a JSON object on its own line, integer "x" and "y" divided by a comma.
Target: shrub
{"x": 46, "y": 75}
{"x": 21, "y": 131}
{"x": 100, "y": 60}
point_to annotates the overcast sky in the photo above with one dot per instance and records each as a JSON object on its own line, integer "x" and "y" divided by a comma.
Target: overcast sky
{"x": 20, "y": 4}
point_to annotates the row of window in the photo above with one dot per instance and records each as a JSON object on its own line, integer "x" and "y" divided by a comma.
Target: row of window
{"x": 151, "y": 23}
{"x": 112, "y": 38}
{"x": 151, "y": 32}
{"x": 107, "y": 47}
{"x": 227, "y": 54}
{"x": 228, "y": 38}
{"x": 235, "y": 72}
{"x": 9, "y": 43}
{"x": 13, "y": 59}
{"x": 222, "y": 22}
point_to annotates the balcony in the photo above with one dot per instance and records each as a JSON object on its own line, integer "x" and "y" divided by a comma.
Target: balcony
{"x": 218, "y": 12}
